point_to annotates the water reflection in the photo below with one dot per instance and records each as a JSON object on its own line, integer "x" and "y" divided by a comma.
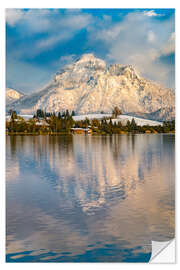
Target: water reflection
{"x": 87, "y": 198}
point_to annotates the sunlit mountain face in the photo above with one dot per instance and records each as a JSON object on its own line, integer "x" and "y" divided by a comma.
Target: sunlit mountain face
{"x": 88, "y": 198}
{"x": 88, "y": 85}
{"x": 12, "y": 95}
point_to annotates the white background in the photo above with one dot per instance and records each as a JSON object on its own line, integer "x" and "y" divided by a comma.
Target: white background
{"x": 80, "y": 4}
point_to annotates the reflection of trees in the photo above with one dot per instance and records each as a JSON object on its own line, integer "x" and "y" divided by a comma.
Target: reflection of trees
{"x": 119, "y": 185}
{"x": 13, "y": 143}
{"x": 95, "y": 168}
{"x": 99, "y": 171}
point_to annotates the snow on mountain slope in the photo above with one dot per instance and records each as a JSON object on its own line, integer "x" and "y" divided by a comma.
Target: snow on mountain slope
{"x": 12, "y": 95}
{"x": 139, "y": 121}
{"x": 88, "y": 86}
{"x": 121, "y": 118}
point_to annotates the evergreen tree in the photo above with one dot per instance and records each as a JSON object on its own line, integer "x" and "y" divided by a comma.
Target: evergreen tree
{"x": 86, "y": 122}
{"x": 67, "y": 114}
{"x": 47, "y": 114}
{"x": 128, "y": 125}
{"x": 40, "y": 113}
{"x": 10, "y": 111}
{"x": 13, "y": 115}
{"x": 59, "y": 115}
{"x": 133, "y": 124}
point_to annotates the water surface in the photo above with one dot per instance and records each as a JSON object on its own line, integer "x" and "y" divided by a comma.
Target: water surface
{"x": 88, "y": 198}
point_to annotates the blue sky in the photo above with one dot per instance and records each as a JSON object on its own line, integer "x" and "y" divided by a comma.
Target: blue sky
{"x": 40, "y": 41}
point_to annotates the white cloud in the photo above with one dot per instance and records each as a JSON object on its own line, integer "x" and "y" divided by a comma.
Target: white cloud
{"x": 140, "y": 40}
{"x": 107, "y": 18}
{"x": 50, "y": 41}
{"x": 67, "y": 58}
{"x": 76, "y": 21}
{"x": 13, "y": 16}
{"x": 66, "y": 28}
{"x": 64, "y": 60}
{"x": 57, "y": 26}
{"x": 51, "y": 20}
{"x": 151, "y": 36}
{"x": 169, "y": 47}
{"x": 150, "y": 13}
{"x": 110, "y": 34}
{"x": 172, "y": 37}
{"x": 33, "y": 20}
{"x": 37, "y": 20}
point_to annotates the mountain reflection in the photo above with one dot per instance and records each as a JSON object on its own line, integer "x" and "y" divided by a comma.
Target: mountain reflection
{"x": 73, "y": 194}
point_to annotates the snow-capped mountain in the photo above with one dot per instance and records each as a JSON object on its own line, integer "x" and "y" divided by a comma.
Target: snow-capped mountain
{"x": 89, "y": 86}
{"x": 12, "y": 95}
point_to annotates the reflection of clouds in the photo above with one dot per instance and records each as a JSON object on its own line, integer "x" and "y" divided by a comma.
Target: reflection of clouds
{"x": 12, "y": 164}
{"x": 12, "y": 171}
{"x": 87, "y": 189}
{"x": 50, "y": 234}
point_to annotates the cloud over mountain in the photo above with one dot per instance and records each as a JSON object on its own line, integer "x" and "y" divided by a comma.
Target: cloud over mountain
{"x": 38, "y": 38}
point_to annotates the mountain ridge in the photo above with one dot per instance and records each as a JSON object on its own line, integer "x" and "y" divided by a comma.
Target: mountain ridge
{"x": 89, "y": 86}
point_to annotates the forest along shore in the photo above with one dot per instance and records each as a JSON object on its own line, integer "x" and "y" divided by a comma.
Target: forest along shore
{"x": 43, "y": 123}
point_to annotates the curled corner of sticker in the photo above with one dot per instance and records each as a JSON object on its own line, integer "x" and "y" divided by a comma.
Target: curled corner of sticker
{"x": 163, "y": 252}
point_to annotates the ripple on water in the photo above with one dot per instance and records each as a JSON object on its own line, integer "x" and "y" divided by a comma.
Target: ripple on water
{"x": 98, "y": 199}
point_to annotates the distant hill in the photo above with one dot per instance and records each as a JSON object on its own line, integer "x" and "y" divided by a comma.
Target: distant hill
{"x": 12, "y": 95}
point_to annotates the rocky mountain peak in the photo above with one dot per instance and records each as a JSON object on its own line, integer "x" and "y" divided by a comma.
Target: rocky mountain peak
{"x": 84, "y": 69}
{"x": 88, "y": 86}
{"x": 127, "y": 70}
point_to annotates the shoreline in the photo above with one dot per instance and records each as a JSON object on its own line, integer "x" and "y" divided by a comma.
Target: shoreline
{"x": 93, "y": 134}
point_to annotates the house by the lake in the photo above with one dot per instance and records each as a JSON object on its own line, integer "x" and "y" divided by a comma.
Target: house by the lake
{"x": 81, "y": 130}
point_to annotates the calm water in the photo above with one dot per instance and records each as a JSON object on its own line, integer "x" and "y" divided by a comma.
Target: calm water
{"x": 87, "y": 198}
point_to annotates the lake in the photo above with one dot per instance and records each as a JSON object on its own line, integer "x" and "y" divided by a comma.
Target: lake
{"x": 88, "y": 198}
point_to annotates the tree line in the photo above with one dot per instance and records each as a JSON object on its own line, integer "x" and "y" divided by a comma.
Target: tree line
{"x": 62, "y": 122}
{"x": 42, "y": 114}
